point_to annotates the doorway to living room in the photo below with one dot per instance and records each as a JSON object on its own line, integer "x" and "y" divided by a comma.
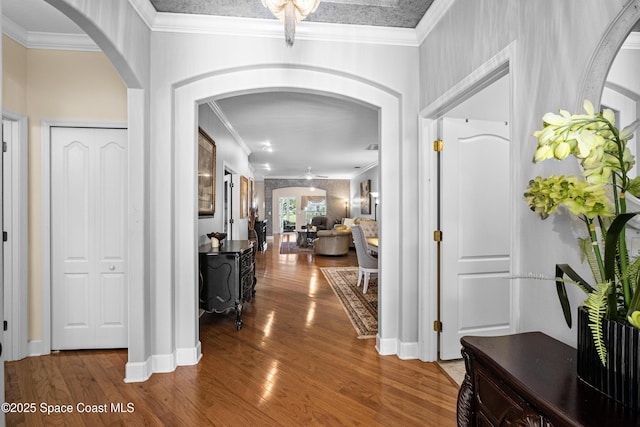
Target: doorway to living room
{"x": 296, "y": 206}
{"x": 287, "y": 214}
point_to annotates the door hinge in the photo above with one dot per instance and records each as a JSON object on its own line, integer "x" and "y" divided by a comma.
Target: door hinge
{"x": 437, "y": 236}
{"x": 231, "y": 185}
{"x": 437, "y": 326}
{"x": 231, "y": 221}
{"x": 438, "y": 145}
{"x": 5, "y": 325}
{"x": 4, "y": 147}
{"x": 5, "y": 236}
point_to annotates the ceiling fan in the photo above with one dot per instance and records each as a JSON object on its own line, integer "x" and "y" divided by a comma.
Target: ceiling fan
{"x": 309, "y": 175}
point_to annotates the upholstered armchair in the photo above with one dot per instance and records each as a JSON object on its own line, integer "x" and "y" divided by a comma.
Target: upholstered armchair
{"x": 319, "y": 222}
{"x": 332, "y": 242}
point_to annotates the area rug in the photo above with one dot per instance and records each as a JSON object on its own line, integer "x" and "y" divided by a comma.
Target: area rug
{"x": 361, "y": 309}
{"x": 293, "y": 248}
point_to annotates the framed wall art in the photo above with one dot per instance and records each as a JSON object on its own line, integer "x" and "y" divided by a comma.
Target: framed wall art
{"x": 244, "y": 197}
{"x": 252, "y": 193}
{"x": 206, "y": 174}
{"x": 365, "y": 197}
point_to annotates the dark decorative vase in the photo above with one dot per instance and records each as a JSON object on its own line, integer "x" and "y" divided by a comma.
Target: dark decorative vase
{"x": 620, "y": 378}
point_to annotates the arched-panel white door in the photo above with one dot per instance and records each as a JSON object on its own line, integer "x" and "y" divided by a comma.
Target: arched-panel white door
{"x": 476, "y": 228}
{"x": 88, "y": 238}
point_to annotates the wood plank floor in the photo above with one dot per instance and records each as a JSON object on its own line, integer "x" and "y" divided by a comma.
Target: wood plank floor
{"x": 296, "y": 362}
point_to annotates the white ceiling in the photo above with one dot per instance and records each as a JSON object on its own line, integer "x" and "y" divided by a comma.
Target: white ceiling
{"x": 38, "y": 16}
{"x": 286, "y": 132}
{"x": 289, "y": 131}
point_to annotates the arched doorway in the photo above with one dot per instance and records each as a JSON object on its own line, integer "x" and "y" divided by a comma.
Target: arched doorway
{"x": 279, "y": 77}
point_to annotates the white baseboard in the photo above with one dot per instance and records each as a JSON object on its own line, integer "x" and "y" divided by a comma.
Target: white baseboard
{"x": 409, "y": 350}
{"x": 386, "y": 346}
{"x": 138, "y": 372}
{"x": 189, "y": 356}
{"x": 404, "y": 350}
{"x": 163, "y": 363}
{"x": 35, "y": 348}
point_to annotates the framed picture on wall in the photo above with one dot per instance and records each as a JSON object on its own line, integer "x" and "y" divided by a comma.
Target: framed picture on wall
{"x": 206, "y": 174}
{"x": 365, "y": 197}
{"x": 252, "y": 193}
{"x": 244, "y": 197}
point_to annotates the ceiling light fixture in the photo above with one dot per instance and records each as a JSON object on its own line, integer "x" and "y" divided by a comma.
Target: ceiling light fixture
{"x": 291, "y": 12}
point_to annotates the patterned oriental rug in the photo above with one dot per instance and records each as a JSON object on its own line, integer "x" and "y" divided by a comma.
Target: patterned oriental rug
{"x": 361, "y": 309}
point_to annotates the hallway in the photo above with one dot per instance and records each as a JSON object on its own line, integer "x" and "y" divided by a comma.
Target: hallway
{"x": 297, "y": 361}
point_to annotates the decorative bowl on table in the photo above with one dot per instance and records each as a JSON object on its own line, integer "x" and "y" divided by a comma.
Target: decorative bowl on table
{"x": 218, "y": 236}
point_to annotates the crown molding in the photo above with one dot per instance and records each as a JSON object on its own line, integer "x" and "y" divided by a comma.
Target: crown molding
{"x": 272, "y": 28}
{"x": 430, "y": 19}
{"x": 223, "y": 25}
{"x": 145, "y": 10}
{"x": 227, "y": 124}
{"x": 54, "y": 41}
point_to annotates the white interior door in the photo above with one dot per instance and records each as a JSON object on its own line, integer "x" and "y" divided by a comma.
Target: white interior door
{"x": 14, "y": 187}
{"x": 231, "y": 198}
{"x": 2, "y": 283}
{"x": 88, "y": 238}
{"x": 239, "y": 229}
{"x": 7, "y": 219}
{"x": 476, "y": 228}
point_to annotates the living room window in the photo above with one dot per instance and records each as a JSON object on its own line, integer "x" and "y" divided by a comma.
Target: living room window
{"x": 314, "y": 206}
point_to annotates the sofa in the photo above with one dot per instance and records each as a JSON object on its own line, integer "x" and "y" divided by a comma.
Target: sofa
{"x": 333, "y": 242}
{"x": 369, "y": 226}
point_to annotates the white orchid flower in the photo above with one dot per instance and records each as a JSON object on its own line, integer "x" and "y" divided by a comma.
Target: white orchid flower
{"x": 562, "y": 150}
{"x": 543, "y": 153}
{"x": 554, "y": 119}
{"x": 587, "y": 142}
{"x": 609, "y": 115}
{"x": 588, "y": 107}
{"x": 628, "y": 131}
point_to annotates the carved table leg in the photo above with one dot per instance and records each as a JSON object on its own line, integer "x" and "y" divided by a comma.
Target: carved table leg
{"x": 466, "y": 405}
{"x": 238, "y": 316}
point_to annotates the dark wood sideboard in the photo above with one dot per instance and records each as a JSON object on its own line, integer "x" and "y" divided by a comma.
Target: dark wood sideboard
{"x": 227, "y": 277}
{"x": 260, "y": 226}
{"x": 530, "y": 379}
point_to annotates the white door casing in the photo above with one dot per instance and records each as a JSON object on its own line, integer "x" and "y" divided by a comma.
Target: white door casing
{"x": 88, "y": 238}
{"x": 2, "y": 284}
{"x": 15, "y": 191}
{"x": 476, "y": 297}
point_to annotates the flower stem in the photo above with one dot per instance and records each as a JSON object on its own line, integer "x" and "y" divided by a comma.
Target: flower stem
{"x": 621, "y": 207}
{"x": 595, "y": 246}
{"x": 623, "y": 258}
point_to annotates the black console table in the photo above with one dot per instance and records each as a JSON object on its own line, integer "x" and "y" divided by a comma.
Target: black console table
{"x": 227, "y": 277}
{"x": 260, "y": 226}
{"x": 530, "y": 380}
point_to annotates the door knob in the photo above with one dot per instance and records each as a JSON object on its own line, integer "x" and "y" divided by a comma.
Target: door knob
{"x": 112, "y": 267}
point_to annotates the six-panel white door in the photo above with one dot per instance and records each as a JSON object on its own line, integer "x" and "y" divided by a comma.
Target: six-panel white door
{"x": 476, "y": 226}
{"x": 88, "y": 238}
